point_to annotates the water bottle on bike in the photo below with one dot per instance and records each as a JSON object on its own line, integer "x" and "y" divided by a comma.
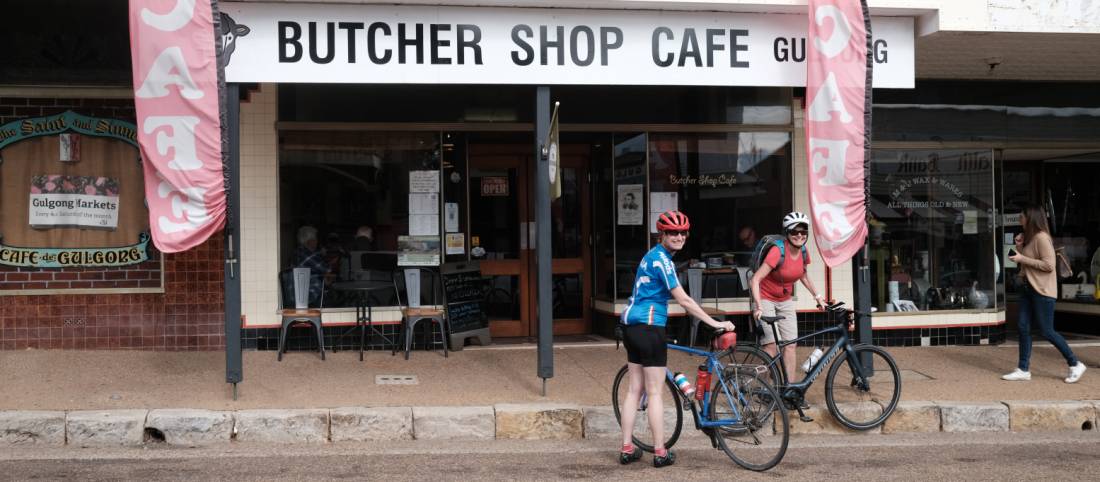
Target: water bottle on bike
{"x": 683, "y": 384}
{"x": 812, "y": 360}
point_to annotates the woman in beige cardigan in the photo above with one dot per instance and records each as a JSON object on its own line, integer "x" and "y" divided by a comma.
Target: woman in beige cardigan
{"x": 1035, "y": 256}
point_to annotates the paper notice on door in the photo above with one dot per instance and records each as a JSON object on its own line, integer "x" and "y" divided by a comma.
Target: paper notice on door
{"x": 970, "y": 221}
{"x": 424, "y": 225}
{"x": 424, "y": 203}
{"x": 630, "y": 204}
{"x": 423, "y": 181}
{"x": 456, "y": 243}
{"x": 450, "y": 221}
{"x": 660, "y": 202}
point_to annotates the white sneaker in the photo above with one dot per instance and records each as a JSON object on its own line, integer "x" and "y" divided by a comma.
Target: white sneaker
{"x": 1075, "y": 372}
{"x": 1018, "y": 375}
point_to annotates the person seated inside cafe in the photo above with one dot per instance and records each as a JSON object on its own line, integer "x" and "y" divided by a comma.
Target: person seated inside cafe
{"x": 309, "y": 255}
{"x": 364, "y": 239}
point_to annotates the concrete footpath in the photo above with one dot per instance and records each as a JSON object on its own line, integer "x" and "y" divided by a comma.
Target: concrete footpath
{"x": 134, "y": 398}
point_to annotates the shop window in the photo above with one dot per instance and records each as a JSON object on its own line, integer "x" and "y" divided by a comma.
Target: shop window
{"x": 603, "y": 221}
{"x": 340, "y": 182}
{"x": 932, "y": 230}
{"x": 733, "y": 186}
{"x": 1072, "y": 199}
{"x": 631, "y": 241}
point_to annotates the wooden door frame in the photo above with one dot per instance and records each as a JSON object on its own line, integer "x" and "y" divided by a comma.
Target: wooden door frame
{"x": 575, "y": 156}
{"x": 508, "y": 156}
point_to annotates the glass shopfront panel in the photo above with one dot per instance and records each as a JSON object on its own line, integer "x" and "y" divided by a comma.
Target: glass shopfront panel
{"x": 932, "y": 230}
{"x": 735, "y": 187}
{"x": 631, "y": 240}
{"x": 1073, "y": 202}
{"x": 341, "y": 182}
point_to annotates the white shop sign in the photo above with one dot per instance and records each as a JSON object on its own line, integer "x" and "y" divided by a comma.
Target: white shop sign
{"x": 321, "y": 43}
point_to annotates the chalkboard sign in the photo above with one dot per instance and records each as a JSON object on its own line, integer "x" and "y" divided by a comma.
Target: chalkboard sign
{"x": 464, "y": 291}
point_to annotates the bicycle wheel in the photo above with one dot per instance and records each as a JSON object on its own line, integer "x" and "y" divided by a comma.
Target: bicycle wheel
{"x": 863, "y": 402}
{"x": 759, "y": 440}
{"x": 749, "y": 355}
{"x": 673, "y": 410}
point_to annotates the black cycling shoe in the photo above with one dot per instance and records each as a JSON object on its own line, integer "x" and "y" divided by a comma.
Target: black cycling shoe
{"x": 628, "y": 457}
{"x": 668, "y": 459}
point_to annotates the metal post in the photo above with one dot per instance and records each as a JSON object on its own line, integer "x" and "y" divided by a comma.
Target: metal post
{"x": 862, "y": 281}
{"x": 542, "y": 244}
{"x": 234, "y": 370}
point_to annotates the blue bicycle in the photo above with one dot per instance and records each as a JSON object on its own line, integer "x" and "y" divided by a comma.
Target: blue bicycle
{"x": 739, "y": 410}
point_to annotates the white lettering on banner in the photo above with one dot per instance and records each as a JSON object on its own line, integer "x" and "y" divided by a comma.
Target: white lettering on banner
{"x": 836, "y": 86}
{"x": 842, "y": 30}
{"x": 829, "y": 155}
{"x": 832, "y": 220}
{"x": 171, "y": 21}
{"x": 187, "y": 204}
{"x": 161, "y": 74}
{"x": 173, "y": 46}
{"x": 827, "y": 101}
{"x": 182, "y": 140}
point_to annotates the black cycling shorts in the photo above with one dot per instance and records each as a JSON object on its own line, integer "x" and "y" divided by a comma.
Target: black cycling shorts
{"x": 646, "y": 345}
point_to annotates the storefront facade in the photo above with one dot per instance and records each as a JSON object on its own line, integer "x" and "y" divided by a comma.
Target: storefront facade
{"x": 417, "y": 122}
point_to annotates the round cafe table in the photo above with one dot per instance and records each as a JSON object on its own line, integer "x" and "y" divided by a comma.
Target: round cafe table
{"x": 361, "y": 292}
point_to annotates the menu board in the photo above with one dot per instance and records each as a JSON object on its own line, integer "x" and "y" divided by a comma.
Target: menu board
{"x": 464, "y": 288}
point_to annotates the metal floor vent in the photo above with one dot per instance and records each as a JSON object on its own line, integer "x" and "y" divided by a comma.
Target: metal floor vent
{"x": 395, "y": 380}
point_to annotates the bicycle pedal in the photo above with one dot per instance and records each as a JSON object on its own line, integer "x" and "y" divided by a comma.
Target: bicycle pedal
{"x": 803, "y": 417}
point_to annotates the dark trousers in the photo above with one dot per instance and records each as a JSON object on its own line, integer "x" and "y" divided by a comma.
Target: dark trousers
{"x": 1039, "y": 308}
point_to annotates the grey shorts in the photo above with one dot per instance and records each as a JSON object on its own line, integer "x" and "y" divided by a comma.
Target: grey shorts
{"x": 788, "y": 326}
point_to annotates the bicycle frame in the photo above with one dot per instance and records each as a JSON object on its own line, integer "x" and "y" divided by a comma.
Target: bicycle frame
{"x": 699, "y": 411}
{"x": 843, "y": 342}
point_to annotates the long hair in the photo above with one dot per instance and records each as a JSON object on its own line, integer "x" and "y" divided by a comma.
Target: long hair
{"x": 1036, "y": 223}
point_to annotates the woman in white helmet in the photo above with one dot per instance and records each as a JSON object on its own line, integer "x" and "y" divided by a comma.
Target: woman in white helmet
{"x": 773, "y": 284}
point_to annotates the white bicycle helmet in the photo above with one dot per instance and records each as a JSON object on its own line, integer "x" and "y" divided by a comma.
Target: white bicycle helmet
{"x": 794, "y": 219}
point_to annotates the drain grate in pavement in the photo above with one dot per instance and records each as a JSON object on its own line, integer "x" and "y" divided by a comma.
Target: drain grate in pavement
{"x": 395, "y": 380}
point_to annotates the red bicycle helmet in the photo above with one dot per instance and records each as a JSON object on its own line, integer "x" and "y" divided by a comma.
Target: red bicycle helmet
{"x": 673, "y": 221}
{"x": 725, "y": 340}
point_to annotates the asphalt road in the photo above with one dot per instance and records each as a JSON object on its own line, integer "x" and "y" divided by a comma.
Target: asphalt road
{"x": 1071, "y": 456}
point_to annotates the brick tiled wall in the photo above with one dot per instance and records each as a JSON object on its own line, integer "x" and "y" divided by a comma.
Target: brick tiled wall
{"x": 188, "y": 315}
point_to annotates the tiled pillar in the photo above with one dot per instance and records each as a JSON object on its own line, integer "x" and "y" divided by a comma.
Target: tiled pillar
{"x": 259, "y": 206}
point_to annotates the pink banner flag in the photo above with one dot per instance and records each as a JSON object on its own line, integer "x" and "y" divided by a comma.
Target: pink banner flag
{"x": 172, "y": 43}
{"x": 837, "y": 122}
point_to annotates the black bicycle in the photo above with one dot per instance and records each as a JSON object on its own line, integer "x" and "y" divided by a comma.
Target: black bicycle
{"x": 862, "y": 388}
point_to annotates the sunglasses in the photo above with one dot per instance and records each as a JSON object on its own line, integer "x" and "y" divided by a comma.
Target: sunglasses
{"x": 676, "y": 233}
{"x": 798, "y": 232}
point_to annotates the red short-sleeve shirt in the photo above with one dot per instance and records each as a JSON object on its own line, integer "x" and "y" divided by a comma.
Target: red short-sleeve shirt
{"x": 778, "y": 285}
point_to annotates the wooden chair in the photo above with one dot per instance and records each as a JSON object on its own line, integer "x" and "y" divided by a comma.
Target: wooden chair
{"x": 295, "y": 305}
{"x": 424, "y": 301}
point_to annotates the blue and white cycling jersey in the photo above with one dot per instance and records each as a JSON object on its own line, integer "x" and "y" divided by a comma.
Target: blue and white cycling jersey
{"x": 653, "y": 286}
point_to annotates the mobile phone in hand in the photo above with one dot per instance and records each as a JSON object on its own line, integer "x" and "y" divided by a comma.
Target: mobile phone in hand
{"x": 1012, "y": 252}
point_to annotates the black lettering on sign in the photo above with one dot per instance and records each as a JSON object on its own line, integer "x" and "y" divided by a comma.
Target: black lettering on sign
{"x": 290, "y": 34}
{"x": 528, "y": 51}
{"x": 471, "y": 43}
{"x": 879, "y": 49}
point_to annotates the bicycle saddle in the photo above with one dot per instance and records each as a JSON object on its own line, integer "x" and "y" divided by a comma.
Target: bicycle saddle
{"x": 771, "y": 319}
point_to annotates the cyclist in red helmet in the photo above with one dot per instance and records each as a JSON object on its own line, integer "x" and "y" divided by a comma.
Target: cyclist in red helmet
{"x": 644, "y": 333}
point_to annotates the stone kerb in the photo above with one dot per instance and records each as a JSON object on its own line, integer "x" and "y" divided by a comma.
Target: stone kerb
{"x": 1050, "y": 416}
{"x": 825, "y": 423}
{"x": 105, "y": 428}
{"x": 23, "y": 428}
{"x": 282, "y": 426}
{"x": 191, "y": 427}
{"x": 974, "y": 416}
{"x": 360, "y": 424}
{"x": 600, "y": 422}
{"x": 913, "y": 416}
{"x": 539, "y": 421}
{"x": 454, "y": 423}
